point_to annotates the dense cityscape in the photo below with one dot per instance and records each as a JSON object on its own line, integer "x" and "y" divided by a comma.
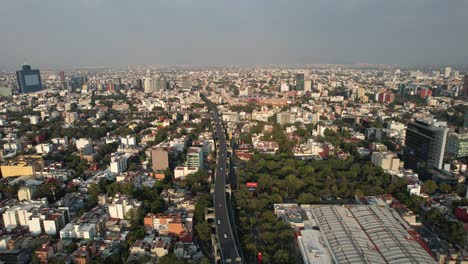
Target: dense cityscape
{"x": 234, "y": 132}
{"x": 313, "y": 164}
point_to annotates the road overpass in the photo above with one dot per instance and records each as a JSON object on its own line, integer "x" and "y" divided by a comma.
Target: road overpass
{"x": 226, "y": 241}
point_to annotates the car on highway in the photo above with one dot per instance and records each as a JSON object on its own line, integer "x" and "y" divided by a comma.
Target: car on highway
{"x": 219, "y": 222}
{"x": 225, "y": 235}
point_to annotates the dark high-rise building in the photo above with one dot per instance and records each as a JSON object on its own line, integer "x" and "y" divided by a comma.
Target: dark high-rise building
{"x": 300, "y": 82}
{"x": 77, "y": 82}
{"x": 62, "y": 77}
{"x": 425, "y": 145}
{"x": 465, "y": 120}
{"x": 29, "y": 80}
{"x": 139, "y": 84}
{"x": 117, "y": 83}
{"x": 401, "y": 88}
{"x": 465, "y": 86}
{"x": 160, "y": 84}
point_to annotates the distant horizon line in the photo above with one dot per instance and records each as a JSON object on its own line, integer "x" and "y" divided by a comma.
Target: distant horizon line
{"x": 291, "y": 65}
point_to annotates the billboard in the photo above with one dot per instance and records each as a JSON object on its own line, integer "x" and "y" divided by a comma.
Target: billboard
{"x": 251, "y": 185}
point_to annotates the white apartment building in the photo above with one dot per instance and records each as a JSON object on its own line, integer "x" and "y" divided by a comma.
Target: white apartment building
{"x": 60, "y": 141}
{"x": 262, "y": 115}
{"x": 21, "y": 214}
{"x": 118, "y": 163}
{"x": 230, "y": 117}
{"x": 81, "y": 231}
{"x": 414, "y": 189}
{"x": 120, "y": 206}
{"x": 25, "y": 193}
{"x": 34, "y": 120}
{"x": 71, "y": 117}
{"x": 10, "y": 219}
{"x": 128, "y": 140}
{"x": 12, "y": 146}
{"x": 44, "y": 148}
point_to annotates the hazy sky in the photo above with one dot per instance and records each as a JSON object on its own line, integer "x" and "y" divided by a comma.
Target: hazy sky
{"x": 65, "y": 33}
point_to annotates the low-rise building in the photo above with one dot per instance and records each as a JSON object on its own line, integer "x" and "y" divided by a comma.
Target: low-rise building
{"x": 159, "y": 159}
{"x": 386, "y": 160}
{"x": 158, "y": 247}
{"x": 81, "y": 256}
{"x": 181, "y": 172}
{"x": 187, "y": 251}
{"x": 268, "y": 147}
{"x": 414, "y": 189}
{"x": 47, "y": 249}
{"x": 22, "y": 166}
{"x": 44, "y": 148}
{"x": 165, "y": 224}
{"x": 379, "y": 235}
{"x": 84, "y": 231}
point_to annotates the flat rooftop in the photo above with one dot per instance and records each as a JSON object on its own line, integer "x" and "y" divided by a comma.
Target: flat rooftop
{"x": 313, "y": 248}
{"x": 361, "y": 234}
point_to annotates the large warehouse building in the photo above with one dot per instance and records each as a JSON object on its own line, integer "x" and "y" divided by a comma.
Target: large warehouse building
{"x": 357, "y": 234}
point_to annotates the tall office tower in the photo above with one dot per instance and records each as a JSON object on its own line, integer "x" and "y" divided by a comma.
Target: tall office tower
{"x": 425, "y": 145}
{"x": 29, "y": 80}
{"x": 159, "y": 84}
{"x": 77, "y": 82}
{"x": 401, "y": 88}
{"x": 308, "y": 85}
{"x": 300, "y": 82}
{"x": 139, "y": 84}
{"x": 117, "y": 83}
{"x": 154, "y": 84}
{"x": 62, "y": 77}
{"x": 195, "y": 157}
{"x": 465, "y": 120}
{"x": 465, "y": 86}
{"x": 147, "y": 85}
{"x": 447, "y": 72}
{"x": 186, "y": 84}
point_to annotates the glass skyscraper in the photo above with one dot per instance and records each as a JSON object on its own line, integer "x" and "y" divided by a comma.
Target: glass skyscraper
{"x": 29, "y": 80}
{"x": 425, "y": 145}
{"x": 300, "y": 82}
